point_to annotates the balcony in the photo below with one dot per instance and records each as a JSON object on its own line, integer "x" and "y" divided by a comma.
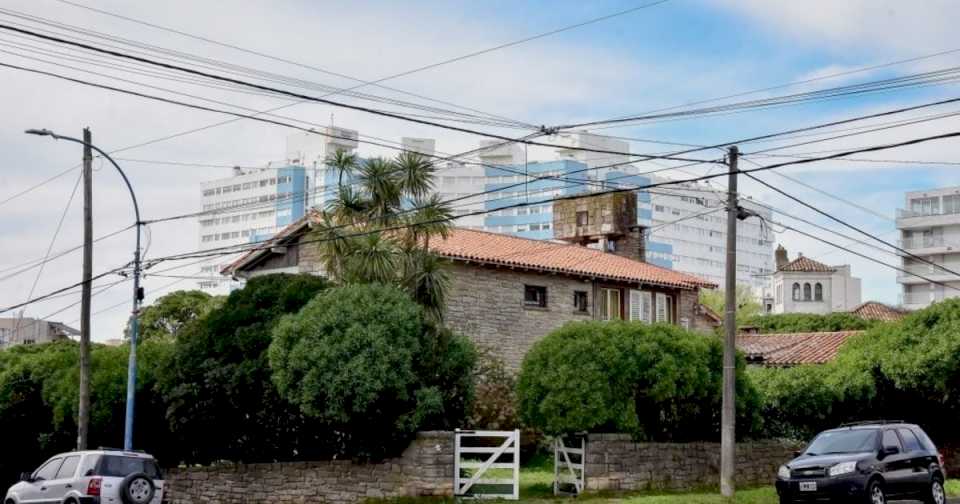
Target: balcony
{"x": 910, "y": 219}
{"x": 928, "y": 272}
{"x": 926, "y": 245}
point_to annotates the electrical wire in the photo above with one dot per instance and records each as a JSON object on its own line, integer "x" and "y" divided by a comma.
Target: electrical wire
{"x": 37, "y": 186}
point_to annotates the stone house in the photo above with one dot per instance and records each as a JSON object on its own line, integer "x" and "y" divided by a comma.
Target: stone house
{"x": 506, "y": 292}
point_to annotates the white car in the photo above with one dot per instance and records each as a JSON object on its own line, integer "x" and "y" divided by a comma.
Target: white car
{"x": 101, "y": 476}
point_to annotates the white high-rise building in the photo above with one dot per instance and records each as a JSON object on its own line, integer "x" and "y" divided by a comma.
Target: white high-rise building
{"x": 929, "y": 227}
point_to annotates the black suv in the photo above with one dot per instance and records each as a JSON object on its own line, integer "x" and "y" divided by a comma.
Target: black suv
{"x": 866, "y": 462}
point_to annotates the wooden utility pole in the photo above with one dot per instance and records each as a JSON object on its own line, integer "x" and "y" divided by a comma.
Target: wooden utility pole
{"x": 83, "y": 416}
{"x": 728, "y": 419}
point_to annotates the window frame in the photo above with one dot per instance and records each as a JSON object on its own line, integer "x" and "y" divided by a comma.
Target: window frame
{"x": 64, "y": 464}
{"x": 883, "y": 439}
{"x": 581, "y": 301}
{"x": 796, "y": 292}
{"x": 818, "y": 291}
{"x": 603, "y": 300}
{"x": 807, "y": 292}
{"x": 540, "y": 300}
{"x": 36, "y": 474}
{"x": 903, "y": 440}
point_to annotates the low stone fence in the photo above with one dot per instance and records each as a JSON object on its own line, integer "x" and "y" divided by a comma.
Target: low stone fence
{"x": 424, "y": 468}
{"x": 615, "y": 462}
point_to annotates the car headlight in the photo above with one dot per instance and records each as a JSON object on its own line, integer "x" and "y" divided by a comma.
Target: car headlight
{"x": 783, "y": 472}
{"x": 843, "y": 468}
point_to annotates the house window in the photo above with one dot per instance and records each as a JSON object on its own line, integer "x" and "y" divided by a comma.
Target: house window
{"x": 641, "y": 306}
{"x": 535, "y": 295}
{"x": 583, "y": 218}
{"x": 664, "y": 308}
{"x": 796, "y": 292}
{"x": 609, "y": 304}
{"x": 580, "y": 301}
{"x": 807, "y": 295}
{"x": 818, "y": 292}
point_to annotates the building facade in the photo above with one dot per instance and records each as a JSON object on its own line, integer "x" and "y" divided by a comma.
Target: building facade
{"x": 28, "y": 331}
{"x": 929, "y": 227}
{"x": 506, "y": 293}
{"x": 807, "y": 286}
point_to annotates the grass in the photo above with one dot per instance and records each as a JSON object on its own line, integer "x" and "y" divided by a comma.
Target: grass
{"x": 536, "y": 487}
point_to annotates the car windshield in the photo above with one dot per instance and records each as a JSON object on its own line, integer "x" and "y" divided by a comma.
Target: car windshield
{"x": 845, "y": 441}
{"x": 120, "y": 466}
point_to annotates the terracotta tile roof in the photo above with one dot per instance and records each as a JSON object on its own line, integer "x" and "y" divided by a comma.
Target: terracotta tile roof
{"x": 499, "y": 249}
{"x": 540, "y": 255}
{"x": 789, "y": 349}
{"x": 874, "y": 310}
{"x": 293, "y": 229}
{"x": 806, "y": 265}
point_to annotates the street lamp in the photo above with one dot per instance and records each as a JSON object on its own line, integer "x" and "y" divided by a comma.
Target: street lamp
{"x": 137, "y": 290}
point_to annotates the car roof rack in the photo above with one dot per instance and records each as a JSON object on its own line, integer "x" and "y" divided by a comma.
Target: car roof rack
{"x": 871, "y": 422}
{"x": 107, "y": 448}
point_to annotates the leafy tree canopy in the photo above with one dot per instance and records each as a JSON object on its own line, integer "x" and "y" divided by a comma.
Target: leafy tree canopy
{"x": 168, "y": 315}
{"x": 808, "y": 322}
{"x": 747, "y": 304}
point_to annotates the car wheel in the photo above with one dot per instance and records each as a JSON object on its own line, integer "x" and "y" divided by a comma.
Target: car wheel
{"x": 875, "y": 493}
{"x": 935, "y": 494}
{"x": 137, "y": 488}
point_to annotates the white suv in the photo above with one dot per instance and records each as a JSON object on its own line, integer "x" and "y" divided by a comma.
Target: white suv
{"x": 101, "y": 476}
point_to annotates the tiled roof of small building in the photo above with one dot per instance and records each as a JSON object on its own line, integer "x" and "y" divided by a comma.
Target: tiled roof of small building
{"x": 806, "y": 265}
{"x": 511, "y": 251}
{"x": 874, "y": 310}
{"x": 505, "y": 250}
{"x": 790, "y": 349}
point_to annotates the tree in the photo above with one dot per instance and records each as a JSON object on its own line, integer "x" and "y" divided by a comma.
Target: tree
{"x": 355, "y": 237}
{"x": 221, "y": 403}
{"x": 359, "y": 360}
{"x": 168, "y": 315}
{"x": 747, "y": 304}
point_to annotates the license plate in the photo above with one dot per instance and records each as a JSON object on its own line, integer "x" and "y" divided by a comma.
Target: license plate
{"x": 808, "y": 486}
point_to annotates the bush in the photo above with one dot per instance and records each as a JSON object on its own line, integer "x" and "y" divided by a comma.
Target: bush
{"x": 809, "y": 322}
{"x": 221, "y": 403}
{"x": 909, "y": 370}
{"x": 656, "y": 382}
{"x": 361, "y": 361}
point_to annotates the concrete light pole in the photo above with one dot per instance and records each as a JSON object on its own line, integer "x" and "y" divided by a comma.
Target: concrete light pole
{"x": 137, "y": 290}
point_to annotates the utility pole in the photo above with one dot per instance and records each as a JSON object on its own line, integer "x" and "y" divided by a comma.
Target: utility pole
{"x": 83, "y": 416}
{"x": 728, "y": 419}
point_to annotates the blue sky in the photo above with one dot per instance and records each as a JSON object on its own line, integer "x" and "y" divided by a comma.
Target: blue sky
{"x": 678, "y": 52}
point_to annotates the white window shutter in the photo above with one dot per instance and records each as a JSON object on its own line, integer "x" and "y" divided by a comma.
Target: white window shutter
{"x": 661, "y": 307}
{"x": 636, "y": 309}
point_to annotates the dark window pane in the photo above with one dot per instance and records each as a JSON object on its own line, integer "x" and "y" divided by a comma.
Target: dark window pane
{"x": 580, "y": 301}
{"x": 910, "y": 442}
{"x": 120, "y": 466}
{"x": 890, "y": 439}
{"x": 845, "y": 441}
{"x": 69, "y": 467}
{"x": 535, "y": 295}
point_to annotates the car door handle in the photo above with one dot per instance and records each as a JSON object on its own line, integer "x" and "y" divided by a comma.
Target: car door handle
{"x": 43, "y": 489}
{"x": 69, "y": 485}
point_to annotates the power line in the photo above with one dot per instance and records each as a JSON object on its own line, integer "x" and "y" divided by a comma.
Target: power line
{"x": 58, "y": 291}
{"x": 258, "y": 244}
{"x": 306, "y": 97}
{"x": 37, "y": 186}
{"x": 851, "y": 226}
{"x": 37, "y": 262}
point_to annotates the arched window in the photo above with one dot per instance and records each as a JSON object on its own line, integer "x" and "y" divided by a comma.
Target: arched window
{"x": 818, "y": 292}
{"x": 806, "y": 292}
{"x": 796, "y": 292}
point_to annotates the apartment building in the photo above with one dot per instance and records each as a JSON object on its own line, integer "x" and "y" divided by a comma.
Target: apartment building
{"x": 28, "y": 331}
{"x": 929, "y": 227}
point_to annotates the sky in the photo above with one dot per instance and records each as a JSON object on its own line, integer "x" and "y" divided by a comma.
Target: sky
{"x": 668, "y": 55}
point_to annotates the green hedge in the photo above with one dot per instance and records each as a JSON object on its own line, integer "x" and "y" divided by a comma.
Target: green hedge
{"x": 657, "y": 382}
{"x": 808, "y": 322}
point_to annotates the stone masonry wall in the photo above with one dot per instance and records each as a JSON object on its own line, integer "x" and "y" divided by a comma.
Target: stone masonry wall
{"x": 614, "y": 462}
{"x": 424, "y": 468}
{"x": 486, "y": 304}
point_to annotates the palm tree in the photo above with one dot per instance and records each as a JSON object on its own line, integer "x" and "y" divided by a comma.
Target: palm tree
{"x": 359, "y": 242}
{"x": 344, "y": 162}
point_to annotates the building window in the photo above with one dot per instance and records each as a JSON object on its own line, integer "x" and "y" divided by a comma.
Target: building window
{"x": 664, "y": 308}
{"x": 580, "y": 301}
{"x": 583, "y": 218}
{"x": 796, "y": 292}
{"x": 641, "y": 306}
{"x": 535, "y": 295}
{"x": 609, "y": 304}
{"x": 818, "y": 292}
{"x": 807, "y": 295}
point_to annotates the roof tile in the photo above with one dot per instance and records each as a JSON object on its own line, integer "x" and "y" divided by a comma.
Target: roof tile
{"x": 806, "y": 265}
{"x": 788, "y": 349}
{"x": 874, "y": 310}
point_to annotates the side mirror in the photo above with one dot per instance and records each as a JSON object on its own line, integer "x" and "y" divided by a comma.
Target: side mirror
{"x": 889, "y": 450}
{"x": 797, "y": 453}
{"x": 26, "y": 477}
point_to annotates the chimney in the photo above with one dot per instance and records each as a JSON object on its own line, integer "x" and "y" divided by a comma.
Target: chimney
{"x": 781, "y": 257}
{"x": 631, "y": 244}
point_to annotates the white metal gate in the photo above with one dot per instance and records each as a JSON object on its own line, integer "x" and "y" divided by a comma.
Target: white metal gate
{"x": 569, "y": 474}
{"x": 482, "y": 459}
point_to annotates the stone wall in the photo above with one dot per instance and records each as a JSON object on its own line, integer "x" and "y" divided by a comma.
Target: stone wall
{"x": 614, "y": 462}
{"x": 424, "y": 468}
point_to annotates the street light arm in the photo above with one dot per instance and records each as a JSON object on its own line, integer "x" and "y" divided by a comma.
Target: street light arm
{"x": 136, "y": 206}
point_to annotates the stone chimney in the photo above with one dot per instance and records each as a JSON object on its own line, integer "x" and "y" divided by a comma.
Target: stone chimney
{"x": 604, "y": 221}
{"x": 781, "y": 257}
